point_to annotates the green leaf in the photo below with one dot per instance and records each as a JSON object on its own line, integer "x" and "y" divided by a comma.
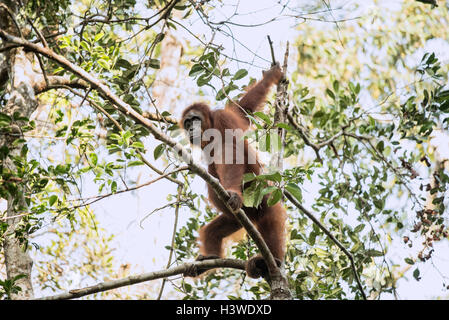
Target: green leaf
{"x": 254, "y": 121}
{"x": 187, "y": 287}
{"x": 135, "y": 163}
{"x": 264, "y": 117}
{"x": 330, "y": 93}
{"x": 380, "y": 146}
{"x": 268, "y": 190}
{"x": 374, "y": 253}
{"x": 159, "y": 37}
{"x": 320, "y": 252}
{"x": 319, "y": 114}
{"x": 98, "y": 36}
{"x": 240, "y": 74}
{"x": 267, "y": 143}
{"x": 4, "y": 117}
{"x": 416, "y": 274}
{"x": 203, "y": 80}
{"x": 359, "y": 228}
{"x": 154, "y": 63}
{"x": 409, "y": 261}
{"x": 103, "y": 63}
{"x": 274, "y": 197}
{"x": 379, "y": 203}
{"x": 196, "y": 70}
{"x": 158, "y": 151}
{"x": 114, "y": 187}
{"x": 122, "y": 63}
{"x": 138, "y": 145}
{"x": 294, "y": 190}
{"x": 52, "y": 200}
{"x": 284, "y": 126}
{"x": 249, "y": 195}
{"x": 221, "y": 94}
{"x": 225, "y": 72}
{"x": 272, "y": 177}
{"x": 247, "y": 177}
{"x": 85, "y": 45}
{"x": 94, "y": 158}
{"x": 127, "y": 135}
{"x": 336, "y": 86}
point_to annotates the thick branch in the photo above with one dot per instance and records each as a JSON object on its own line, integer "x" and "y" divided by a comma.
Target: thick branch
{"x": 21, "y": 99}
{"x": 41, "y": 86}
{"x": 113, "y": 284}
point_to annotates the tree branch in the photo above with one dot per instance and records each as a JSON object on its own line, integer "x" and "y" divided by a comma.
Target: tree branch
{"x": 141, "y": 154}
{"x": 331, "y": 236}
{"x": 273, "y": 59}
{"x": 113, "y": 284}
{"x": 303, "y": 135}
{"x": 173, "y": 238}
{"x": 41, "y": 86}
{"x": 101, "y": 197}
{"x": 317, "y": 146}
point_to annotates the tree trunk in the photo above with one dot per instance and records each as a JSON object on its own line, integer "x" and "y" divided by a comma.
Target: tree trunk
{"x": 19, "y": 67}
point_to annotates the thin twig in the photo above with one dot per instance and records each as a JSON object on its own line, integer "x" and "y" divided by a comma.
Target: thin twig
{"x": 273, "y": 59}
{"x": 172, "y": 245}
{"x": 39, "y": 34}
{"x": 98, "y": 198}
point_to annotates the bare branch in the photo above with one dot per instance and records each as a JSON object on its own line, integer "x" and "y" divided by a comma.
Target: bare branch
{"x": 41, "y": 85}
{"x": 272, "y": 51}
{"x": 172, "y": 245}
{"x": 39, "y": 34}
{"x": 113, "y": 284}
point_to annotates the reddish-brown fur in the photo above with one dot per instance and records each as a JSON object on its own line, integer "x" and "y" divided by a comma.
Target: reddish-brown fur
{"x": 270, "y": 221}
